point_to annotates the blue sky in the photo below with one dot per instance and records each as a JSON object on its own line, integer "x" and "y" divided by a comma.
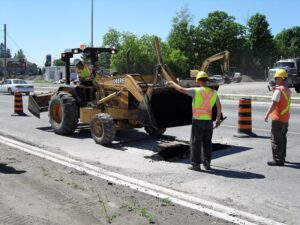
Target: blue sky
{"x": 41, "y": 27}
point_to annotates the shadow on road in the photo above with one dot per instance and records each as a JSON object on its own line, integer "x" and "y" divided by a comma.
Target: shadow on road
{"x": 229, "y": 151}
{"x": 10, "y": 170}
{"x": 234, "y": 174}
{"x": 294, "y": 165}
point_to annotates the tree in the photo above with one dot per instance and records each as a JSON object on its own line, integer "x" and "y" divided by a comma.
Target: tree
{"x": 182, "y": 39}
{"x": 2, "y": 51}
{"x": 20, "y": 56}
{"x": 142, "y": 56}
{"x": 288, "y": 42}
{"x": 58, "y": 62}
{"x": 219, "y": 32}
{"x": 176, "y": 60}
{"x": 112, "y": 38}
{"x": 261, "y": 44}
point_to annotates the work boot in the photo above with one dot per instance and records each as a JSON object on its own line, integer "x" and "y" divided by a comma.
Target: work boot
{"x": 274, "y": 163}
{"x": 206, "y": 165}
{"x": 195, "y": 167}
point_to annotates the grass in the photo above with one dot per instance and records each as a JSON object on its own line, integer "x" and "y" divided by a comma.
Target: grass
{"x": 166, "y": 202}
{"x": 109, "y": 218}
{"x": 144, "y": 212}
{"x": 130, "y": 207}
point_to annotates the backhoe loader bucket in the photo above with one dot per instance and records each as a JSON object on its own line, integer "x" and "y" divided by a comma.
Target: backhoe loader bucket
{"x": 171, "y": 108}
{"x": 39, "y": 103}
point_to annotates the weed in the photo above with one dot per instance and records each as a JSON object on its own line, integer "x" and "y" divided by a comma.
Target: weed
{"x": 144, "y": 213}
{"x": 128, "y": 206}
{"x": 166, "y": 202}
{"x": 107, "y": 216}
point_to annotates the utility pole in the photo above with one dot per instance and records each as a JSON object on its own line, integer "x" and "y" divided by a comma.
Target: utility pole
{"x": 92, "y": 25}
{"x": 4, "y": 51}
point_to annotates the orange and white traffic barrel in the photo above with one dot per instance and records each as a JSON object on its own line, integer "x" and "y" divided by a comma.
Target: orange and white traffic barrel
{"x": 18, "y": 104}
{"x": 244, "y": 127}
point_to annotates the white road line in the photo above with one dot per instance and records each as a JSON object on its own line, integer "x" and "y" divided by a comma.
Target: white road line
{"x": 213, "y": 209}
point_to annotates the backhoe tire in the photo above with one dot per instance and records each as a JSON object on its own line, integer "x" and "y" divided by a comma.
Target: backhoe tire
{"x": 63, "y": 113}
{"x": 103, "y": 129}
{"x": 154, "y": 131}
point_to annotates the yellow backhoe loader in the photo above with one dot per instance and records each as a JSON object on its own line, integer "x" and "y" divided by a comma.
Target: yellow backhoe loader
{"x": 116, "y": 102}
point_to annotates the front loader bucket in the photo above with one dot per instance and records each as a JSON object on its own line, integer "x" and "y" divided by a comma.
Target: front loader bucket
{"x": 171, "y": 108}
{"x": 38, "y": 103}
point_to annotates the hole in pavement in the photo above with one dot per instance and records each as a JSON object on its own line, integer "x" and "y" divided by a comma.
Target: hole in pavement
{"x": 176, "y": 152}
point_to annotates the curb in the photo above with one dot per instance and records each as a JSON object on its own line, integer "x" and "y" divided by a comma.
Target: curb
{"x": 255, "y": 98}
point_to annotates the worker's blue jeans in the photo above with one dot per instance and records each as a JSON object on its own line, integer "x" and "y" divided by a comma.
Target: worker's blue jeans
{"x": 201, "y": 145}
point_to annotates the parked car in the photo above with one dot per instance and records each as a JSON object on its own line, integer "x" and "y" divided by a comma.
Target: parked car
{"x": 13, "y": 85}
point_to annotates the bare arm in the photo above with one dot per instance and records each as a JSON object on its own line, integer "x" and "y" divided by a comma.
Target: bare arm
{"x": 270, "y": 110}
{"x": 177, "y": 87}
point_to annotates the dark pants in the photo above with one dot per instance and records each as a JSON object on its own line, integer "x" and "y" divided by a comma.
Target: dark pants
{"x": 278, "y": 140}
{"x": 201, "y": 135}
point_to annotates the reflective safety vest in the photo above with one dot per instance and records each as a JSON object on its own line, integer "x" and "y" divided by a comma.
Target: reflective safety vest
{"x": 204, "y": 100}
{"x": 282, "y": 110}
{"x": 84, "y": 73}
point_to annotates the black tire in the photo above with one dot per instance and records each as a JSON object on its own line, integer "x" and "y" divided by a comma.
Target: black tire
{"x": 10, "y": 91}
{"x": 63, "y": 113}
{"x": 103, "y": 129}
{"x": 154, "y": 131}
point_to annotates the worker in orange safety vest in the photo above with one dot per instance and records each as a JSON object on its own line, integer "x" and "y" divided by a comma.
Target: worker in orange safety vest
{"x": 279, "y": 111}
{"x": 204, "y": 98}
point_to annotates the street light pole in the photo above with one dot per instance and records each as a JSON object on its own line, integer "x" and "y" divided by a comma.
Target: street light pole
{"x": 5, "y": 51}
{"x": 92, "y": 25}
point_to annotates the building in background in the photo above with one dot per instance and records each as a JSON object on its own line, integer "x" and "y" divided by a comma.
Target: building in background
{"x": 58, "y": 73}
{"x": 15, "y": 67}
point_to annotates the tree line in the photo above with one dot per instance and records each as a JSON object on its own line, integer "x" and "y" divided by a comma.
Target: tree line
{"x": 19, "y": 55}
{"x": 252, "y": 48}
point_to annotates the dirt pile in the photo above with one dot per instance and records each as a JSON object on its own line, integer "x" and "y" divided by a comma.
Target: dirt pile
{"x": 246, "y": 78}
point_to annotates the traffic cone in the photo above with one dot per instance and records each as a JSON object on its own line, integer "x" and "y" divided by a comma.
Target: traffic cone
{"x": 245, "y": 119}
{"x": 18, "y": 105}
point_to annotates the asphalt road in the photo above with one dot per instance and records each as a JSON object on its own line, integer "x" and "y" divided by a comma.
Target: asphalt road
{"x": 241, "y": 179}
